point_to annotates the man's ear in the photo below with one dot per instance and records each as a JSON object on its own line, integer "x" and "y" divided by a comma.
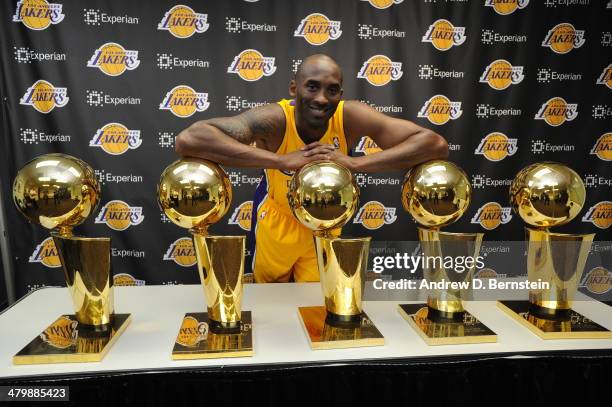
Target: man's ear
{"x": 292, "y": 88}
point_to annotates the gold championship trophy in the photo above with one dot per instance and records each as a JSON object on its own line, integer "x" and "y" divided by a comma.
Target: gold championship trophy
{"x": 544, "y": 195}
{"x": 59, "y": 192}
{"x": 436, "y": 194}
{"x": 194, "y": 194}
{"x": 323, "y": 197}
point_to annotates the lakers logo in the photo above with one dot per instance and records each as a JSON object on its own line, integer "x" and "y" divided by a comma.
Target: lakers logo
{"x": 44, "y": 97}
{"x": 557, "y": 111}
{"x": 113, "y": 60}
{"x": 491, "y": 215}
{"x": 183, "y": 22}
{"x": 62, "y": 333}
{"x": 183, "y": 101}
{"x": 242, "y": 215}
{"x": 317, "y": 29}
{"x": 500, "y": 74}
{"x": 443, "y": 35}
{"x": 182, "y": 252}
{"x": 563, "y": 38}
{"x": 382, "y": 4}
{"x": 486, "y": 273}
{"x": 598, "y": 281}
{"x": 599, "y": 215}
{"x": 439, "y": 110}
{"x": 505, "y": 7}
{"x": 367, "y": 146}
{"x": 251, "y": 66}
{"x": 497, "y": 146}
{"x": 379, "y": 70}
{"x": 373, "y": 215}
{"x": 124, "y": 279}
{"x": 38, "y": 14}
{"x": 46, "y": 253}
{"x": 603, "y": 147}
{"x": 116, "y": 139}
{"x": 118, "y": 215}
{"x": 606, "y": 77}
{"x": 192, "y": 332}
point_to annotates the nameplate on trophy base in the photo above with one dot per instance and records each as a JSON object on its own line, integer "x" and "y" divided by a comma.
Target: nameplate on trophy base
{"x": 199, "y": 338}
{"x": 468, "y": 330}
{"x": 573, "y": 326}
{"x": 67, "y": 341}
{"x": 323, "y": 333}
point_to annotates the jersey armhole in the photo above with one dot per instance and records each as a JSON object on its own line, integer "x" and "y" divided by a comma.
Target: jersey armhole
{"x": 287, "y": 123}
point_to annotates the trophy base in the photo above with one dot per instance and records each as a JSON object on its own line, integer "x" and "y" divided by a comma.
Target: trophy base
{"x": 201, "y": 338}
{"x": 446, "y": 332}
{"x": 327, "y": 333}
{"x": 67, "y": 341}
{"x": 576, "y": 326}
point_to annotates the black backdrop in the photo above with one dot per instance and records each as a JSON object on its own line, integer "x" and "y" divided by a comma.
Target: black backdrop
{"x": 489, "y": 60}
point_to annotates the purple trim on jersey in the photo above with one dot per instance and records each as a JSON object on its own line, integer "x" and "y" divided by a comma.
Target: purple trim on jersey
{"x": 260, "y": 193}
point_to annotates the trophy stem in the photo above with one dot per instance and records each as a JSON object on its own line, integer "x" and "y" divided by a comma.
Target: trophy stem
{"x": 87, "y": 266}
{"x": 64, "y": 231}
{"x": 342, "y": 266}
{"x": 558, "y": 259}
{"x": 221, "y": 267}
{"x": 437, "y": 246}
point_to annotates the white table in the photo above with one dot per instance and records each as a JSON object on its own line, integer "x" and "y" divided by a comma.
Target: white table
{"x": 157, "y": 312}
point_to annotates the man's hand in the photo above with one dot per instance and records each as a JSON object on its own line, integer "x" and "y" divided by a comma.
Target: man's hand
{"x": 342, "y": 159}
{"x": 309, "y": 153}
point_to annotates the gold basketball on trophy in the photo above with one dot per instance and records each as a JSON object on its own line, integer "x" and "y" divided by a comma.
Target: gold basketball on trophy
{"x": 323, "y": 196}
{"x": 436, "y": 193}
{"x": 547, "y": 194}
{"x": 56, "y": 191}
{"x": 194, "y": 193}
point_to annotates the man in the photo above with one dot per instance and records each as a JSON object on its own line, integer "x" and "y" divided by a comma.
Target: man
{"x": 315, "y": 125}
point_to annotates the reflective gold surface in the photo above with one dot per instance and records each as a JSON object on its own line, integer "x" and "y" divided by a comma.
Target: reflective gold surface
{"x": 558, "y": 259}
{"x": 323, "y": 195}
{"x": 436, "y": 193}
{"x": 221, "y": 267}
{"x": 468, "y": 330}
{"x": 547, "y": 194}
{"x": 87, "y": 266}
{"x": 323, "y": 335}
{"x": 575, "y": 326}
{"x": 67, "y": 341}
{"x": 197, "y": 341}
{"x": 57, "y": 191}
{"x": 194, "y": 193}
{"x": 439, "y": 245}
{"x": 544, "y": 195}
{"x": 342, "y": 266}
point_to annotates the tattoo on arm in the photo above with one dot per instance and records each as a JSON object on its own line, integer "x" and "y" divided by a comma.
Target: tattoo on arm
{"x": 235, "y": 127}
{"x": 258, "y": 123}
{"x": 261, "y": 126}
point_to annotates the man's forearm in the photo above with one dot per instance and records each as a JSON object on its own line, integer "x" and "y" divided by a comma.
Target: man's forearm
{"x": 210, "y": 143}
{"x": 417, "y": 149}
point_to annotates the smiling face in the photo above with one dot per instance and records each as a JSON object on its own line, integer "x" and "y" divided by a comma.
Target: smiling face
{"x": 317, "y": 90}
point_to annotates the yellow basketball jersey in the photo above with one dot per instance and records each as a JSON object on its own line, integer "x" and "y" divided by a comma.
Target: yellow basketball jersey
{"x": 282, "y": 247}
{"x": 278, "y": 181}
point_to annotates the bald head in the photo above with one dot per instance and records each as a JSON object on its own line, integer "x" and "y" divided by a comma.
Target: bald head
{"x": 317, "y": 63}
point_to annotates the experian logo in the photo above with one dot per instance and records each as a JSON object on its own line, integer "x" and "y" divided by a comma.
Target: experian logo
{"x": 169, "y": 61}
{"x": 98, "y": 98}
{"x": 491, "y": 37}
{"x": 25, "y": 55}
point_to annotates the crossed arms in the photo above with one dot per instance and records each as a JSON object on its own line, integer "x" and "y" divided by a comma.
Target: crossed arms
{"x": 228, "y": 141}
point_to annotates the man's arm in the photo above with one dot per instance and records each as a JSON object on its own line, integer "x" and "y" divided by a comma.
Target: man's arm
{"x": 404, "y": 143}
{"x": 226, "y": 140}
